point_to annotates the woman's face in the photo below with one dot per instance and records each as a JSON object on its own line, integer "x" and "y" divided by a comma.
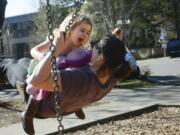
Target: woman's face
{"x": 96, "y": 52}
{"x": 80, "y": 34}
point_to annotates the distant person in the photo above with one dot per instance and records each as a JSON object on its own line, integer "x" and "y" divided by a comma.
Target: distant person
{"x": 163, "y": 39}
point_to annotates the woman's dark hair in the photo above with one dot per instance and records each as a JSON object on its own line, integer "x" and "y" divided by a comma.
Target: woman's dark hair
{"x": 114, "y": 52}
{"x": 122, "y": 72}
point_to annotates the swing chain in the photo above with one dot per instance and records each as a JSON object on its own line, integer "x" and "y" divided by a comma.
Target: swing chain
{"x": 54, "y": 69}
{"x": 78, "y": 4}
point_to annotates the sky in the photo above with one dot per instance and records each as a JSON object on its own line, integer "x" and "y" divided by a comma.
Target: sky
{"x": 20, "y": 7}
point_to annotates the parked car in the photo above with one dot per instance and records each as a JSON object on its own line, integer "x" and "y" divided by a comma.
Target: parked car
{"x": 173, "y": 48}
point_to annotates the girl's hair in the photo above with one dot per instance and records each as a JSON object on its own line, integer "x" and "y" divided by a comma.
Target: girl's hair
{"x": 78, "y": 19}
{"x": 114, "y": 52}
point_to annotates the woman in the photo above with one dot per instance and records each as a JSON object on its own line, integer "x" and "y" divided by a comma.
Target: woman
{"x": 79, "y": 87}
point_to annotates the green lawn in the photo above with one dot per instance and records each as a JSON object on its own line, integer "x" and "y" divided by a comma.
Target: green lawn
{"x": 133, "y": 84}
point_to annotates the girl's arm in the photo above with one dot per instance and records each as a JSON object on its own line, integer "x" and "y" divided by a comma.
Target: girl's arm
{"x": 41, "y": 76}
{"x": 39, "y": 51}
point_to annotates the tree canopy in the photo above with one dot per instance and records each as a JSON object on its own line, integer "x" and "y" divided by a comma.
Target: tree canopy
{"x": 143, "y": 18}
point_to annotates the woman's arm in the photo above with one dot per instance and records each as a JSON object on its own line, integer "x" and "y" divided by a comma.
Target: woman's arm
{"x": 118, "y": 32}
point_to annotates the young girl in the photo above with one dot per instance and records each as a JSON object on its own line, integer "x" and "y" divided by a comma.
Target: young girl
{"x": 76, "y": 56}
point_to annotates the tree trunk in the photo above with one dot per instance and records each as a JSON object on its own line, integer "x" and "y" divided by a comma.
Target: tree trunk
{"x": 176, "y": 17}
{"x": 3, "y": 4}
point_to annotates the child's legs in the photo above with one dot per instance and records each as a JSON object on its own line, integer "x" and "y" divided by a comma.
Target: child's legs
{"x": 30, "y": 89}
{"x": 41, "y": 95}
{"x": 37, "y": 94}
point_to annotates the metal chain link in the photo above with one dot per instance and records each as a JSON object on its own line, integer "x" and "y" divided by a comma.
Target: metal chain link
{"x": 53, "y": 58}
{"x": 78, "y": 4}
{"x": 54, "y": 69}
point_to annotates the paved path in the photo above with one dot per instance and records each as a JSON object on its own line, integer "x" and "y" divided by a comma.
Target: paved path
{"x": 9, "y": 94}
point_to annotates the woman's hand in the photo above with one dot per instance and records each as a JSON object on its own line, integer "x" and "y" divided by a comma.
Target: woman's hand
{"x": 118, "y": 32}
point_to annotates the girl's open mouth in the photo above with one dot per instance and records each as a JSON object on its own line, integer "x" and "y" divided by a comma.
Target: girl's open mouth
{"x": 80, "y": 40}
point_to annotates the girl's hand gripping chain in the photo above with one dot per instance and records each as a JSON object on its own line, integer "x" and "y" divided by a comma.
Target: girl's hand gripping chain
{"x": 62, "y": 47}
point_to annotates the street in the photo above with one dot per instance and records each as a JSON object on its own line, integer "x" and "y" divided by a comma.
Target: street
{"x": 164, "y": 66}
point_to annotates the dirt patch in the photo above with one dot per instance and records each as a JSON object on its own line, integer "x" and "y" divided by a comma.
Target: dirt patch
{"x": 164, "y": 121}
{"x": 10, "y": 112}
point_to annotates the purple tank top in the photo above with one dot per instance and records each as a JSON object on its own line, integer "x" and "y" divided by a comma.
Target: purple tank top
{"x": 76, "y": 58}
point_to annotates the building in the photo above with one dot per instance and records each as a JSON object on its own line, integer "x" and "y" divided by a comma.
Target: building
{"x": 17, "y": 35}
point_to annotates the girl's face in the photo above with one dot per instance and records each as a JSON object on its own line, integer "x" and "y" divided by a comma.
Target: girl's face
{"x": 80, "y": 34}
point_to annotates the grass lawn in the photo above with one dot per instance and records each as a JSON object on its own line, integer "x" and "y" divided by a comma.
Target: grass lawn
{"x": 135, "y": 83}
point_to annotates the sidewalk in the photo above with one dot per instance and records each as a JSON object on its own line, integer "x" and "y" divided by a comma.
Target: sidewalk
{"x": 117, "y": 102}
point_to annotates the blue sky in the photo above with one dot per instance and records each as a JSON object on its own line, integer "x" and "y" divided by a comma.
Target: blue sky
{"x": 19, "y": 7}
